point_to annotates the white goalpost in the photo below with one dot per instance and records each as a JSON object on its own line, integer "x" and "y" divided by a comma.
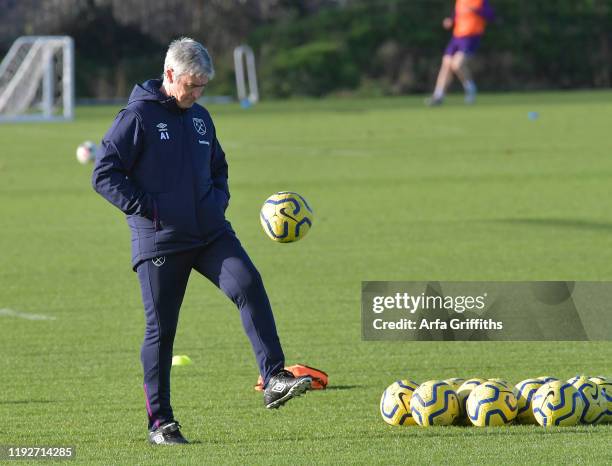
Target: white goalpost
{"x": 243, "y": 54}
{"x": 37, "y": 80}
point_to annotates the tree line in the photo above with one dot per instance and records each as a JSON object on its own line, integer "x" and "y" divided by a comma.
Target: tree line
{"x": 321, "y": 47}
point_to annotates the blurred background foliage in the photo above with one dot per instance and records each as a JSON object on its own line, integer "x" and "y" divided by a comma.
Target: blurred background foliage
{"x": 321, "y": 47}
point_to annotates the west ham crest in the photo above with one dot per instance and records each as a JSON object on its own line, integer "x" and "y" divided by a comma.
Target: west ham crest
{"x": 199, "y": 126}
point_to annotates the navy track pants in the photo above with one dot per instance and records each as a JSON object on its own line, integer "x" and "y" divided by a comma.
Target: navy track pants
{"x": 163, "y": 281}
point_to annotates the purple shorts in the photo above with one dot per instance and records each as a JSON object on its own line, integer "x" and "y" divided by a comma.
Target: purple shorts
{"x": 467, "y": 45}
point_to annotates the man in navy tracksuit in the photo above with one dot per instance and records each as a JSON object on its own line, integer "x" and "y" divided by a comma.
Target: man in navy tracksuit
{"x": 162, "y": 165}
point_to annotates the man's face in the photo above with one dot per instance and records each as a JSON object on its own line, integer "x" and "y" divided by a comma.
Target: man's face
{"x": 186, "y": 89}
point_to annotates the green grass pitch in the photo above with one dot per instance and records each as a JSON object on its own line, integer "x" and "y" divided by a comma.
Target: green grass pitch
{"x": 400, "y": 192}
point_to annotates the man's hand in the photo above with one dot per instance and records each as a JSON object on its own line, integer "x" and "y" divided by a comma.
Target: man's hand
{"x": 448, "y": 23}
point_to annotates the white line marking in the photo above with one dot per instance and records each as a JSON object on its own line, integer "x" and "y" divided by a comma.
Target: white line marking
{"x": 24, "y": 315}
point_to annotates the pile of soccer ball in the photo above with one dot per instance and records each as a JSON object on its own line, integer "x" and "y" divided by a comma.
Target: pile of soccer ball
{"x": 495, "y": 402}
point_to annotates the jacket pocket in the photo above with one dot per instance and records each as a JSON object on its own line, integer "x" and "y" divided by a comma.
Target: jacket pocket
{"x": 156, "y": 222}
{"x": 175, "y": 213}
{"x": 140, "y": 223}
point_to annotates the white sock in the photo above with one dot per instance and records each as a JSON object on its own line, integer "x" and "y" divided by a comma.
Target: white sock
{"x": 438, "y": 94}
{"x": 470, "y": 87}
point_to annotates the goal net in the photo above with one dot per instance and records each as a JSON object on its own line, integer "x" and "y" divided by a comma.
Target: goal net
{"x": 37, "y": 79}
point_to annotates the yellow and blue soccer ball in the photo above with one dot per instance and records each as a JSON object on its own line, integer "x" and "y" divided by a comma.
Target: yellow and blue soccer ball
{"x": 595, "y": 403}
{"x": 547, "y": 378}
{"x": 506, "y": 384}
{"x": 286, "y": 217}
{"x": 395, "y": 403}
{"x": 491, "y": 404}
{"x": 455, "y": 382}
{"x": 434, "y": 403}
{"x": 525, "y": 390}
{"x": 557, "y": 403}
{"x": 462, "y": 393}
{"x": 606, "y": 389}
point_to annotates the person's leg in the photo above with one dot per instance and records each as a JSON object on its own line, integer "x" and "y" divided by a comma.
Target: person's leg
{"x": 162, "y": 281}
{"x": 460, "y": 66}
{"x": 225, "y": 263}
{"x": 445, "y": 77}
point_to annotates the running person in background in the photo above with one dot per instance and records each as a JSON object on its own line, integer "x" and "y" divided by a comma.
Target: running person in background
{"x": 468, "y": 24}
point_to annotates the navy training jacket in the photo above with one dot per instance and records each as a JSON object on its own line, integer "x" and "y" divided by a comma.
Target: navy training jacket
{"x": 164, "y": 168}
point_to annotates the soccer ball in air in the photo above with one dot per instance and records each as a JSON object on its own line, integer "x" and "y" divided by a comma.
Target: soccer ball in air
{"x": 525, "y": 391}
{"x": 286, "y": 217}
{"x": 595, "y": 403}
{"x": 395, "y": 403}
{"x": 491, "y": 404}
{"x": 434, "y": 403}
{"x": 557, "y": 403}
{"x": 86, "y": 152}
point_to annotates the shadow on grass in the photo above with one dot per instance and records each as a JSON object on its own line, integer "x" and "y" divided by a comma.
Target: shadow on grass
{"x": 25, "y": 402}
{"x": 557, "y": 223}
{"x": 343, "y": 387}
{"x": 512, "y": 430}
{"x": 415, "y": 432}
{"x": 140, "y": 442}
